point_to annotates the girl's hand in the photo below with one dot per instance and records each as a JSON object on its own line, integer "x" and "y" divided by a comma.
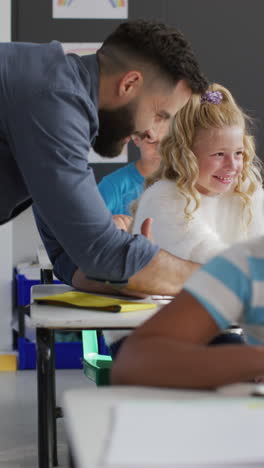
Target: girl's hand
{"x": 123, "y": 222}
{"x": 146, "y": 229}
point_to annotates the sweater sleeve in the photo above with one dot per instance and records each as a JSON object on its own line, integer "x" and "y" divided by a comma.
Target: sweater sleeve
{"x": 194, "y": 240}
{"x": 50, "y": 138}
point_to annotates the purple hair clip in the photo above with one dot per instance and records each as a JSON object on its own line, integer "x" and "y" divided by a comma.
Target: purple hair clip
{"x": 215, "y": 97}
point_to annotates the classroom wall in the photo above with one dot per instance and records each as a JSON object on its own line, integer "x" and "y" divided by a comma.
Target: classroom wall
{"x": 228, "y": 38}
{"x": 6, "y": 232}
{"x": 25, "y": 239}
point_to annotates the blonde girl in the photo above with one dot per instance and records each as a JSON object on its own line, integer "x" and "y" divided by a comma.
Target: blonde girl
{"x": 207, "y": 193}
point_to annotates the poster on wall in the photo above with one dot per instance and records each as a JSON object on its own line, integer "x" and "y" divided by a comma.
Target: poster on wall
{"x": 86, "y": 48}
{"x": 90, "y": 9}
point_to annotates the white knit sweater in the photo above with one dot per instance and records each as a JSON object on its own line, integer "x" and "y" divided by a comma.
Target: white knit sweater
{"x": 216, "y": 224}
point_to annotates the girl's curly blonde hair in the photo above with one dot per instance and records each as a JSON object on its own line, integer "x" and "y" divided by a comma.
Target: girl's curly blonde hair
{"x": 179, "y": 163}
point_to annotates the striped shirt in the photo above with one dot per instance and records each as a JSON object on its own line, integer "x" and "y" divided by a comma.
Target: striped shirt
{"x": 231, "y": 287}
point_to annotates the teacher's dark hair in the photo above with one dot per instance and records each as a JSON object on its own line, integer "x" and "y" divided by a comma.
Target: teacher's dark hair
{"x": 158, "y": 50}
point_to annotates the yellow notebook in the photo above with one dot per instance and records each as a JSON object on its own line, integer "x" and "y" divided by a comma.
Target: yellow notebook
{"x": 91, "y": 301}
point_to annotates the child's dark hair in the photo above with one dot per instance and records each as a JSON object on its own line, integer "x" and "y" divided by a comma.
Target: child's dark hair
{"x": 152, "y": 45}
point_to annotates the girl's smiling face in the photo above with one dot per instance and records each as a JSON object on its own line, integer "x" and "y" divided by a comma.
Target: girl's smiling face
{"x": 219, "y": 152}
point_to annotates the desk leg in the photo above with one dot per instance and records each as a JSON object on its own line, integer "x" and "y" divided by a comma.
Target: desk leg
{"x": 47, "y": 437}
{"x": 53, "y": 404}
{"x": 71, "y": 460}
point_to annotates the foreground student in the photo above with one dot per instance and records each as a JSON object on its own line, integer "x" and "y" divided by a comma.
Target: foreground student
{"x": 170, "y": 349}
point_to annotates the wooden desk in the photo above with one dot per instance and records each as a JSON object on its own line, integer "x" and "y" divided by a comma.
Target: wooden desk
{"x": 46, "y": 319}
{"x": 87, "y": 416}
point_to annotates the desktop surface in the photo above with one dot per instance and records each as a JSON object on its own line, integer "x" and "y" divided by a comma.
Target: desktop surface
{"x": 49, "y": 316}
{"x": 88, "y": 421}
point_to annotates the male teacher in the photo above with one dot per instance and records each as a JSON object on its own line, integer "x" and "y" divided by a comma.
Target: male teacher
{"x": 54, "y": 108}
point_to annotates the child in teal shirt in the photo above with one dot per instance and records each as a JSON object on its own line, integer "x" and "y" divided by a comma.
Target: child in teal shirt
{"x": 120, "y": 188}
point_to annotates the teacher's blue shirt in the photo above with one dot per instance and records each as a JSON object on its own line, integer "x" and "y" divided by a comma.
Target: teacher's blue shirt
{"x": 48, "y": 123}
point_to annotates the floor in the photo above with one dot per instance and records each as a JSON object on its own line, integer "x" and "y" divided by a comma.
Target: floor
{"x": 18, "y": 416}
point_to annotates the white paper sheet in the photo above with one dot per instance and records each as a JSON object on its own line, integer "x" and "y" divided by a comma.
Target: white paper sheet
{"x": 90, "y": 9}
{"x": 198, "y": 433}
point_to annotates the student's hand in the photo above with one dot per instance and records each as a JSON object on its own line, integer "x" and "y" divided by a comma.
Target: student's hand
{"x": 146, "y": 229}
{"x": 123, "y": 222}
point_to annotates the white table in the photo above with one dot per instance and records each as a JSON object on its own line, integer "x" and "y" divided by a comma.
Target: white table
{"x": 52, "y": 317}
{"x": 46, "y": 319}
{"x": 87, "y": 416}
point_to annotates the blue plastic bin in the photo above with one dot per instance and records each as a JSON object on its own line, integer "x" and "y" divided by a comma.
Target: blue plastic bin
{"x": 67, "y": 355}
{"x": 23, "y": 289}
{"x": 102, "y": 346}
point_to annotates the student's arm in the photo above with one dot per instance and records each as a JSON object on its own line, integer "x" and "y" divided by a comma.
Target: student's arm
{"x": 170, "y": 350}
